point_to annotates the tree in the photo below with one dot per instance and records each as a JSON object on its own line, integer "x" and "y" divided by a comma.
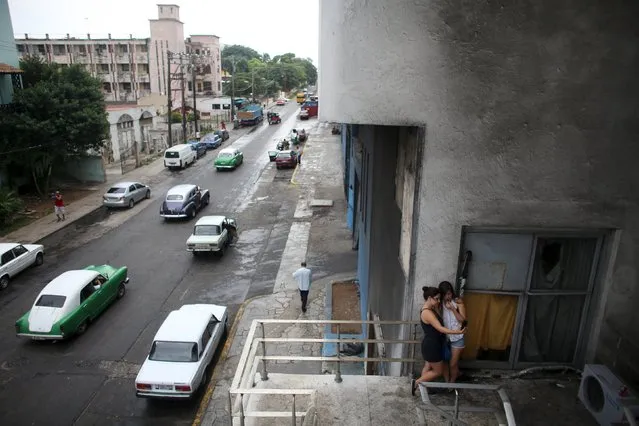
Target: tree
{"x": 241, "y": 54}
{"x": 60, "y": 114}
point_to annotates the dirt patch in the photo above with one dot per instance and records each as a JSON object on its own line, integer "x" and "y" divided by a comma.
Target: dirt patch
{"x": 36, "y": 207}
{"x": 345, "y": 306}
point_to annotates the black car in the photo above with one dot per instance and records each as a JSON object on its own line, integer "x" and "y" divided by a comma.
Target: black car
{"x": 223, "y": 134}
{"x": 184, "y": 201}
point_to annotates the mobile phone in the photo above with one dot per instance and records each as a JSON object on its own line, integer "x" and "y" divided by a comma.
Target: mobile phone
{"x": 464, "y": 324}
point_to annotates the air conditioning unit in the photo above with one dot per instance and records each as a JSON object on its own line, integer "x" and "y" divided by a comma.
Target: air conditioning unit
{"x": 605, "y": 396}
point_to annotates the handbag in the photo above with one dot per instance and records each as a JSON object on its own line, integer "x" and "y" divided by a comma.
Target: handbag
{"x": 446, "y": 352}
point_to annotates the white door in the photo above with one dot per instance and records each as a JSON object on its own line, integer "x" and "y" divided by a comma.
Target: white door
{"x": 22, "y": 258}
{"x": 9, "y": 265}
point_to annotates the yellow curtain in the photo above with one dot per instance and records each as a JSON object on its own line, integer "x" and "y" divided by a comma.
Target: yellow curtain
{"x": 491, "y": 319}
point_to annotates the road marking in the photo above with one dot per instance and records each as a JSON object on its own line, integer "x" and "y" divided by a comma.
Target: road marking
{"x": 297, "y": 166}
{"x": 184, "y": 294}
{"x": 199, "y": 415}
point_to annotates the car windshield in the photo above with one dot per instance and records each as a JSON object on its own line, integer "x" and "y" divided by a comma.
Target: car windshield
{"x": 174, "y": 351}
{"x": 51, "y": 301}
{"x": 174, "y": 197}
{"x": 207, "y": 230}
{"x": 225, "y": 155}
{"x": 284, "y": 155}
{"x": 115, "y": 190}
{"x": 171, "y": 154}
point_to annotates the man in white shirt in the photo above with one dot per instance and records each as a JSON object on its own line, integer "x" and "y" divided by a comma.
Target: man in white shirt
{"x": 303, "y": 278}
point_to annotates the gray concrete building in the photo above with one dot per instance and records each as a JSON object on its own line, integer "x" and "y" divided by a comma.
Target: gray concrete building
{"x": 506, "y": 131}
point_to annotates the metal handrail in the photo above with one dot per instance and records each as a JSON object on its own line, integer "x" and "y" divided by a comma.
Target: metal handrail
{"x": 243, "y": 383}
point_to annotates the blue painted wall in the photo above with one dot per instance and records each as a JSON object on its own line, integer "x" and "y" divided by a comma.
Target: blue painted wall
{"x": 8, "y": 52}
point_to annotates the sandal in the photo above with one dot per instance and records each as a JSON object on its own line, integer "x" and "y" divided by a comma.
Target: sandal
{"x": 413, "y": 386}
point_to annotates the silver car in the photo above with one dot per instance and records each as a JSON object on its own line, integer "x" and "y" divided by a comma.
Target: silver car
{"x": 126, "y": 194}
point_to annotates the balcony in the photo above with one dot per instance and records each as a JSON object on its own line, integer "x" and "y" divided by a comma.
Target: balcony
{"x": 256, "y": 394}
{"x": 143, "y": 78}
{"x": 121, "y": 58}
{"x": 142, "y": 58}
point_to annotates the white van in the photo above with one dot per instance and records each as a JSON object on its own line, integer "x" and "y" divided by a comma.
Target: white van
{"x": 179, "y": 156}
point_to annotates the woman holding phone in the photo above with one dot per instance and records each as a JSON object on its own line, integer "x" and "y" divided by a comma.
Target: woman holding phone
{"x": 454, "y": 316}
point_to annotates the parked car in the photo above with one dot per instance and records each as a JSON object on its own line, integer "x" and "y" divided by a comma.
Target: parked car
{"x": 304, "y": 114}
{"x": 229, "y": 158}
{"x": 125, "y": 194}
{"x": 181, "y": 352}
{"x": 212, "y": 234}
{"x": 69, "y": 303}
{"x": 286, "y": 159}
{"x": 198, "y": 147}
{"x": 211, "y": 140}
{"x": 15, "y": 258}
{"x": 184, "y": 201}
{"x": 280, "y": 102}
{"x": 223, "y": 134}
{"x": 179, "y": 156}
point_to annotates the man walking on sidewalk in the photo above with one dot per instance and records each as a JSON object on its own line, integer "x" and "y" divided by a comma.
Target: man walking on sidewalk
{"x": 58, "y": 205}
{"x": 303, "y": 278}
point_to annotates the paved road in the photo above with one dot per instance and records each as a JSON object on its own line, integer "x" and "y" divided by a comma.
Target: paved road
{"x": 89, "y": 380}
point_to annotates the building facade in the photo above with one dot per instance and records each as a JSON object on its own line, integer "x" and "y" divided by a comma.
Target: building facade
{"x": 505, "y": 144}
{"x": 130, "y": 68}
{"x": 9, "y": 71}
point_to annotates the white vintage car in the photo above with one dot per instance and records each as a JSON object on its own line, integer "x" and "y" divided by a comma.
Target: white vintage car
{"x": 181, "y": 352}
{"x": 212, "y": 234}
{"x": 15, "y": 258}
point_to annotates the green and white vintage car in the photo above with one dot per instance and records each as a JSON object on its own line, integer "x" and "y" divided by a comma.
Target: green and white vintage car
{"x": 67, "y": 305}
{"x": 229, "y": 158}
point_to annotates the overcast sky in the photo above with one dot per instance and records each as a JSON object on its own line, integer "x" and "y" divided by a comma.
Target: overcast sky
{"x": 273, "y": 27}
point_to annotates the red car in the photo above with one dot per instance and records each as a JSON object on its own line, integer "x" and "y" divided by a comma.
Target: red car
{"x": 286, "y": 159}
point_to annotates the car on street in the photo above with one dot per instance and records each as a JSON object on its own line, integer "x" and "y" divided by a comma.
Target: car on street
{"x": 286, "y": 159}
{"x": 223, "y": 134}
{"x": 304, "y": 114}
{"x": 280, "y": 102}
{"x": 198, "y": 147}
{"x": 125, "y": 194}
{"x": 15, "y": 258}
{"x": 211, "y": 141}
{"x": 229, "y": 158}
{"x": 182, "y": 351}
{"x": 179, "y": 156}
{"x": 70, "y": 302}
{"x": 212, "y": 234}
{"x": 184, "y": 201}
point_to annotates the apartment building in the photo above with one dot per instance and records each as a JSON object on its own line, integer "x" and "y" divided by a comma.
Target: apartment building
{"x": 132, "y": 68}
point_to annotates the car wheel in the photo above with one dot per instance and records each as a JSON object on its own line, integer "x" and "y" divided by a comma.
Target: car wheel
{"x": 206, "y": 201}
{"x": 82, "y": 328}
{"x": 131, "y": 203}
{"x": 121, "y": 291}
{"x": 148, "y": 194}
{"x": 39, "y": 260}
{"x": 192, "y": 213}
{"x": 4, "y": 282}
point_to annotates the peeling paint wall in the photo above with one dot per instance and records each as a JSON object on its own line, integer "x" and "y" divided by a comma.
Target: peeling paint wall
{"x": 530, "y": 111}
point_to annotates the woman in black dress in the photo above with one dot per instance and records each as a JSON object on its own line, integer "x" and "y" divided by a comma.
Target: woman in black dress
{"x": 434, "y": 337}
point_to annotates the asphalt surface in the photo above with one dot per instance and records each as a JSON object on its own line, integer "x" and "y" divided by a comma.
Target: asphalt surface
{"x": 90, "y": 380}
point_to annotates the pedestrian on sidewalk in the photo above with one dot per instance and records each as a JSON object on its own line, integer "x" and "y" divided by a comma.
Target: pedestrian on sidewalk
{"x": 299, "y": 155}
{"x": 58, "y": 206}
{"x": 303, "y": 278}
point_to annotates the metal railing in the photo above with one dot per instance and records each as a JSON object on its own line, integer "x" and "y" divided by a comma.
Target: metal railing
{"x": 243, "y": 384}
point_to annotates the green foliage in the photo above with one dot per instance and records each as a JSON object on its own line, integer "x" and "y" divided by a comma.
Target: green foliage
{"x": 58, "y": 115}
{"x": 269, "y": 76}
{"x": 10, "y": 204}
{"x": 176, "y": 117}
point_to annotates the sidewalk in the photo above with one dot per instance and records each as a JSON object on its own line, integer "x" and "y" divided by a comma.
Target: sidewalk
{"x": 149, "y": 174}
{"x": 319, "y": 174}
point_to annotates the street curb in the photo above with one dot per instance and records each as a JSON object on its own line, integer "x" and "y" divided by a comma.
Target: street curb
{"x": 197, "y": 420}
{"x": 68, "y": 224}
{"x": 293, "y": 182}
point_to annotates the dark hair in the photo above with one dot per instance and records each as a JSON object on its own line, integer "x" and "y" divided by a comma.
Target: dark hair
{"x": 304, "y": 263}
{"x": 430, "y": 292}
{"x": 445, "y": 287}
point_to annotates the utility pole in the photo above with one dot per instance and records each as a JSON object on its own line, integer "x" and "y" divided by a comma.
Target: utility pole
{"x": 169, "y": 95}
{"x": 193, "y": 66}
{"x": 183, "y": 80}
{"x": 253, "y": 85}
{"x": 233, "y": 91}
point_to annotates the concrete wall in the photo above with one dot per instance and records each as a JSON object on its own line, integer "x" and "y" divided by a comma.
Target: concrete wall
{"x": 530, "y": 116}
{"x": 86, "y": 169}
{"x": 8, "y": 52}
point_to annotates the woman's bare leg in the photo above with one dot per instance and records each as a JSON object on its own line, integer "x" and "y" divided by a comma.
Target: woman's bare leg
{"x": 454, "y": 363}
{"x": 434, "y": 371}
